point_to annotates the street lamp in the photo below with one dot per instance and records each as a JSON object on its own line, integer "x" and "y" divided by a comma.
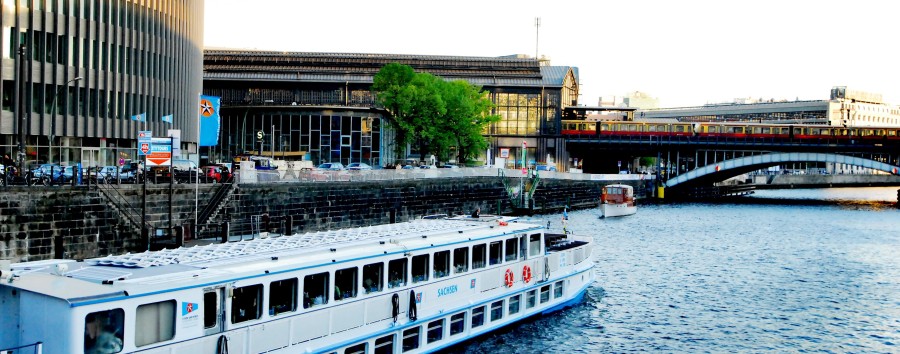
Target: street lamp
{"x": 53, "y": 118}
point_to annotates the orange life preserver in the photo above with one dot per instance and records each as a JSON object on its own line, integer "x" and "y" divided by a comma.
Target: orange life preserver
{"x": 526, "y": 274}
{"x": 508, "y": 278}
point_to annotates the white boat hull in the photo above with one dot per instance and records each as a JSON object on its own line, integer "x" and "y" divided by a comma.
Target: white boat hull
{"x": 611, "y": 210}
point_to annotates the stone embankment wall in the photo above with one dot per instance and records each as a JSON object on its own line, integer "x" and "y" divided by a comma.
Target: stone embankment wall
{"x": 38, "y": 223}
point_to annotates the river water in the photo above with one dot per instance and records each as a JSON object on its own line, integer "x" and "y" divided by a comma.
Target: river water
{"x": 802, "y": 270}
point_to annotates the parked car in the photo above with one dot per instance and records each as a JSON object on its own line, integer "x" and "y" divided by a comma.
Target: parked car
{"x": 427, "y": 167}
{"x": 545, "y": 168}
{"x": 47, "y": 174}
{"x": 359, "y": 166}
{"x": 449, "y": 166}
{"x": 214, "y": 174}
{"x": 185, "y": 171}
{"x": 114, "y": 174}
{"x": 331, "y": 166}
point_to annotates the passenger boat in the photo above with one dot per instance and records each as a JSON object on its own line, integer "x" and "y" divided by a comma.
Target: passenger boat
{"x": 409, "y": 287}
{"x": 617, "y": 200}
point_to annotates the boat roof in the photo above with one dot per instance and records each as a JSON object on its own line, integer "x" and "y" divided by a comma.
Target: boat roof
{"x": 186, "y": 267}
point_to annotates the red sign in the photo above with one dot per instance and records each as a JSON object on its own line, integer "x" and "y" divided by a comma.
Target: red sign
{"x": 524, "y": 171}
{"x": 145, "y": 148}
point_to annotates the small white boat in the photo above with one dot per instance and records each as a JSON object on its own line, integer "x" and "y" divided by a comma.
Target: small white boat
{"x": 617, "y": 200}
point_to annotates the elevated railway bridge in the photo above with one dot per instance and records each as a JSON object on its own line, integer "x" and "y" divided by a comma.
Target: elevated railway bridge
{"x": 691, "y": 155}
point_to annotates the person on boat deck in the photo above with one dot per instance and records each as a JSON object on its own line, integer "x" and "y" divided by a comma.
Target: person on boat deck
{"x": 476, "y": 213}
{"x": 98, "y": 339}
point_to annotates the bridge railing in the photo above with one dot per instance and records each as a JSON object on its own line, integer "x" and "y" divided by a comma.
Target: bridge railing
{"x": 389, "y": 174}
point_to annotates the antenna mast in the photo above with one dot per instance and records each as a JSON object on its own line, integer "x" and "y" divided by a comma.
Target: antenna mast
{"x": 537, "y": 35}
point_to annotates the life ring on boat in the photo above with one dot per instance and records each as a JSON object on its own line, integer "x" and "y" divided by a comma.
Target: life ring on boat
{"x": 526, "y": 274}
{"x": 508, "y": 278}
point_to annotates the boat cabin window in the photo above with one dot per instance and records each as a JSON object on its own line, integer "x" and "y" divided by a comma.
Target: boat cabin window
{"x": 315, "y": 287}
{"x": 514, "y": 304}
{"x": 282, "y": 296}
{"x": 246, "y": 303}
{"x": 372, "y": 277}
{"x": 457, "y": 323}
{"x": 345, "y": 281}
{"x": 496, "y": 250}
{"x": 479, "y": 256}
{"x": 210, "y": 309}
{"x": 477, "y": 316}
{"x": 155, "y": 322}
{"x": 435, "y": 331}
{"x": 411, "y": 339}
{"x": 558, "y": 290}
{"x": 461, "y": 259}
{"x": 441, "y": 264}
{"x": 103, "y": 331}
{"x": 420, "y": 268}
{"x": 534, "y": 244}
{"x": 384, "y": 345}
{"x": 530, "y": 299}
{"x": 356, "y": 349}
{"x": 545, "y": 293}
{"x": 496, "y": 310}
{"x": 397, "y": 272}
{"x": 512, "y": 248}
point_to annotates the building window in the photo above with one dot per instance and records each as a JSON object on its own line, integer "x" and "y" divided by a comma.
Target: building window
{"x": 372, "y": 277}
{"x": 154, "y": 323}
{"x": 345, "y": 283}
{"x": 315, "y": 287}
{"x": 435, "y": 330}
{"x": 103, "y": 331}
{"x": 282, "y": 296}
{"x": 441, "y": 264}
{"x": 246, "y": 303}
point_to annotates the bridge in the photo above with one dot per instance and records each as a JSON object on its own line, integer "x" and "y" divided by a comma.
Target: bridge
{"x": 691, "y": 160}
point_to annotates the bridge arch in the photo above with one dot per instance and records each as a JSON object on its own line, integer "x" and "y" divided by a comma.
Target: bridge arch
{"x": 723, "y": 170}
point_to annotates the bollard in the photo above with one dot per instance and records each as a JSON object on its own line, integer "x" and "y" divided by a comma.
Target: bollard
{"x": 226, "y": 227}
{"x": 178, "y": 232}
{"x": 288, "y": 225}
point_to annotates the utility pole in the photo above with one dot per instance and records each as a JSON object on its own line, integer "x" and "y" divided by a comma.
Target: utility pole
{"x": 537, "y": 36}
{"x": 20, "y": 102}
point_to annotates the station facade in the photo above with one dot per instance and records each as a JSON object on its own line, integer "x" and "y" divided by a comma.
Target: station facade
{"x": 75, "y": 72}
{"x": 320, "y": 106}
{"x": 845, "y": 107}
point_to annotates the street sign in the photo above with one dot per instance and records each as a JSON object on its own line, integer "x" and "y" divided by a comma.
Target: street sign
{"x": 259, "y": 135}
{"x": 145, "y": 135}
{"x": 160, "y": 152}
{"x": 144, "y": 150}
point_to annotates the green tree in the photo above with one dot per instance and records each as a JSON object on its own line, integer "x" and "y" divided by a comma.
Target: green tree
{"x": 432, "y": 114}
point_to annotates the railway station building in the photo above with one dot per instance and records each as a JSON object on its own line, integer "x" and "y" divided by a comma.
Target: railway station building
{"x": 320, "y": 106}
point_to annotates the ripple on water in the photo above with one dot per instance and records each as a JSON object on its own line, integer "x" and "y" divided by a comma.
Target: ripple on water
{"x": 761, "y": 276}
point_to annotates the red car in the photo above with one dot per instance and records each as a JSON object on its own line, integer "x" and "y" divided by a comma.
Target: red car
{"x": 215, "y": 174}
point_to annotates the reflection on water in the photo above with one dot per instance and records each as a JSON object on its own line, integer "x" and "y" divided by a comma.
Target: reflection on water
{"x": 783, "y": 271}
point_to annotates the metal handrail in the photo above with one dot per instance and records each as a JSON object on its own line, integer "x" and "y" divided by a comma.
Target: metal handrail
{"x": 215, "y": 202}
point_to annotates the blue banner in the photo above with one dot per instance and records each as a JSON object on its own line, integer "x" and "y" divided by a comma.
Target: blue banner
{"x": 140, "y": 117}
{"x": 209, "y": 121}
{"x": 167, "y": 119}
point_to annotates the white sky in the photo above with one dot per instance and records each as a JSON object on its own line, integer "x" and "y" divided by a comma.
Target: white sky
{"x": 684, "y": 52}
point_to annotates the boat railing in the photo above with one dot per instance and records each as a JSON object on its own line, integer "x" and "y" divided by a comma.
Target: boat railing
{"x": 36, "y": 348}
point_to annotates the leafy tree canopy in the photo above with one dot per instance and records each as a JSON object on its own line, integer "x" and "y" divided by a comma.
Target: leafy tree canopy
{"x": 433, "y": 114}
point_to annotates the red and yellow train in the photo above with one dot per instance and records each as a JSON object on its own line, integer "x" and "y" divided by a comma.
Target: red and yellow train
{"x": 731, "y": 130}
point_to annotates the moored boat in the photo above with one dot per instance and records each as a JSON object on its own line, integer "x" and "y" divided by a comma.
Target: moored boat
{"x": 617, "y": 200}
{"x": 409, "y": 287}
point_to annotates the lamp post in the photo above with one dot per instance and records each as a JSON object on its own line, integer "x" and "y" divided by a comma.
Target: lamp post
{"x": 53, "y": 118}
